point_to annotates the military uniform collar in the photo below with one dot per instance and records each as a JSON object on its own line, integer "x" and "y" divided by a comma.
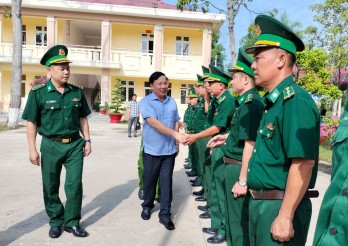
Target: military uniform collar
{"x": 240, "y": 100}
{"x": 276, "y": 92}
{"x": 222, "y": 97}
{"x": 50, "y": 86}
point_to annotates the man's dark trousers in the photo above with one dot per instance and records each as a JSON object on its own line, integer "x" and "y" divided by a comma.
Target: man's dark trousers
{"x": 154, "y": 167}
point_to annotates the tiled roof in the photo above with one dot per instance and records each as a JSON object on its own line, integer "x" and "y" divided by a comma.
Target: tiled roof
{"x": 135, "y": 3}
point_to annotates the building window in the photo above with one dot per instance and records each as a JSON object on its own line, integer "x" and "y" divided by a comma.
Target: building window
{"x": 183, "y": 93}
{"x": 24, "y": 34}
{"x": 41, "y": 35}
{"x": 147, "y": 43}
{"x": 24, "y": 80}
{"x": 182, "y": 45}
{"x": 129, "y": 89}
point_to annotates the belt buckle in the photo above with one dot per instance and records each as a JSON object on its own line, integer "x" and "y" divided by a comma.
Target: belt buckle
{"x": 66, "y": 140}
{"x": 252, "y": 193}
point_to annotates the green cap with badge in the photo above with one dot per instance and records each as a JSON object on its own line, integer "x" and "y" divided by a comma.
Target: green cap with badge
{"x": 218, "y": 76}
{"x": 192, "y": 92}
{"x": 55, "y": 55}
{"x": 272, "y": 33}
{"x": 243, "y": 64}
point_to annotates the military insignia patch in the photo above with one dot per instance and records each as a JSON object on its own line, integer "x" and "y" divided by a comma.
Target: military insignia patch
{"x": 61, "y": 52}
{"x": 270, "y": 126}
{"x": 36, "y": 87}
{"x": 288, "y": 92}
{"x": 216, "y": 113}
{"x": 75, "y": 100}
{"x": 249, "y": 98}
{"x": 78, "y": 86}
{"x": 258, "y": 30}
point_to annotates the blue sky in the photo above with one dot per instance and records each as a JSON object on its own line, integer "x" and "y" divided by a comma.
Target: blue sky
{"x": 297, "y": 10}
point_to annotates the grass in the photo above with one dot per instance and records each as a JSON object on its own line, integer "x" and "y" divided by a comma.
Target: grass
{"x": 3, "y": 127}
{"x": 325, "y": 153}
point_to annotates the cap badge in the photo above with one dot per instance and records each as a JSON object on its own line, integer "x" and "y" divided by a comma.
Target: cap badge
{"x": 258, "y": 30}
{"x": 61, "y": 52}
{"x": 270, "y": 126}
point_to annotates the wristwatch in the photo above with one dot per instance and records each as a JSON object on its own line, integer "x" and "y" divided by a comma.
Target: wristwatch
{"x": 242, "y": 182}
{"x": 88, "y": 140}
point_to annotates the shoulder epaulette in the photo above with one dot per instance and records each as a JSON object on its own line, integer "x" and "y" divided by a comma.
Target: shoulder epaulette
{"x": 36, "y": 87}
{"x": 249, "y": 98}
{"x": 221, "y": 99}
{"x": 288, "y": 92}
{"x": 78, "y": 86}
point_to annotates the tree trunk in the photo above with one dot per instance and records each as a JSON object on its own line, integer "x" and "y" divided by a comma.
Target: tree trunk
{"x": 15, "y": 101}
{"x": 334, "y": 108}
{"x": 231, "y": 16}
{"x": 339, "y": 110}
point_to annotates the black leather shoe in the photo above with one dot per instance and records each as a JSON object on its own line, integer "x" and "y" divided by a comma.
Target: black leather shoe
{"x": 168, "y": 224}
{"x": 196, "y": 184}
{"x": 205, "y": 215}
{"x": 198, "y": 193}
{"x": 193, "y": 180}
{"x": 209, "y": 230}
{"x": 55, "y": 232}
{"x": 141, "y": 194}
{"x": 77, "y": 231}
{"x": 187, "y": 166}
{"x": 203, "y": 208}
{"x": 146, "y": 214}
{"x": 216, "y": 239}
{"x": 187, "y": 159}
{"x": 200, "y": 199}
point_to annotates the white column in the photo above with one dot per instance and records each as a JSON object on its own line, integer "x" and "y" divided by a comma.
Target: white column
{"x": 1, "y": 16}
{"x": 51, "y": 31}
{"x": 106, "y": 40}
{"x": 158, "y": 46}
{"x": 206, "y": 52}
{"x": 105, "y": 84}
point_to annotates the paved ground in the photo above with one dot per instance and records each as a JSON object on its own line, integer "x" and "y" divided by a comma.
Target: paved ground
{"x": 111, "y": 208}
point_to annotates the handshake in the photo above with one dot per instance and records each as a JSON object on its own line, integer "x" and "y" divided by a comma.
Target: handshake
{"x": 186, "y": 139}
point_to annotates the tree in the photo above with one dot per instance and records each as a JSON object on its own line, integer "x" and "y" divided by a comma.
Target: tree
{"x": 117, "y": 98}
{"x": 15, "y": 101}
{"x": 217, "y": 52}
{"x": 233, "y": 7}
{"x": 333, "y": 16}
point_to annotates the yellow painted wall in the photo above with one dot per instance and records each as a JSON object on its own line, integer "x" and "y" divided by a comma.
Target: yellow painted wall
{"x": 128, "y": 36}
{"x": 60, "y": 31}
{"x": 195, "y": 36}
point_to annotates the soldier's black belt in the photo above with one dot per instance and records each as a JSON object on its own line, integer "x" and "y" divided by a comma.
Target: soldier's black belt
{"x": 231, "y": 161}
{"x": 64, "y": 139}
{"x": 278, "y": 194}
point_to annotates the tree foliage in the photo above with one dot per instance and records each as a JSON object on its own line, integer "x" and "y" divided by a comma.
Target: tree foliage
{"x": 217, "y": 52}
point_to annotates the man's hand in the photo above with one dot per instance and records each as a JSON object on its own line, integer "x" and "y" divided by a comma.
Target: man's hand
{"x": 190, "y": 138}
{"x": 217, "y": 141}
{"x": 88, "y": 149}
{"x": 239, "y": 190}
{"x": 179, "y": 137}
{"x": 282, "y": 229}
{"x": 34, "y": 157}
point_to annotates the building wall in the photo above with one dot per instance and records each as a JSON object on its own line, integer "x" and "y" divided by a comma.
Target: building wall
{"x": 195, "y": 36}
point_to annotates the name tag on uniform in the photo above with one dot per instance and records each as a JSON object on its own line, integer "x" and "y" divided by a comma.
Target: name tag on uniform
{"x": 51, "y": 101}
{"x": 75, "y": 99}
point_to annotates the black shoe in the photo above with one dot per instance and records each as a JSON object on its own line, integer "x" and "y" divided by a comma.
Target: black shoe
{"x": 129, "y": 136}
{"x": 146, "y": 214}
{"x": 192, "y": 174}
{"x": 187, "y": 159}
{"x": 216, "y": 239}
{"x": 141, "y": 194}
{"x": 77, "y": 231}
{"x": 187, "y": 166}
{"x": 55, "y": 232}
{"x": 205, "y": 215}
{"x": 196, "y": 184}
{"x": 198, "y": 193}
{"x": 193, "y": 180}
{"x": 158, "y": 199}
{"x": 135, "y": 136}
{"x": 168, "y": 224}
{"x": 203, "y": 208}
{"x": 200, "y": 199}
{"x": 209, "y": 230}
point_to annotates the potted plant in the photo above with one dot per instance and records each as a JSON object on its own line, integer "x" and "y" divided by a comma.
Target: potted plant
{"x": 104, "y": 108}
{"x": 97, "y": 105}
{"x": 116, "y": 106}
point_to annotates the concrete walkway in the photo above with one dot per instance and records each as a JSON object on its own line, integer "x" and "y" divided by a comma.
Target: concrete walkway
{"x": 111, "y": 208}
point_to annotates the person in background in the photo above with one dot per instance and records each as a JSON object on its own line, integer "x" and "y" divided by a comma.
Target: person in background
{"x": 58, "y": 111}
{"x": 133, "y": 116}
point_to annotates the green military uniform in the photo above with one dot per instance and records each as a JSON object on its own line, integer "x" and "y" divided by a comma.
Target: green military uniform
{"x": 57, "y": 117}
{"x": 187, "y": 120}
{"x": 245, "y": 122}
{"x": 332, "y": 228}
{"x": 224, "y": 108}
{"x": 289, "y": 129}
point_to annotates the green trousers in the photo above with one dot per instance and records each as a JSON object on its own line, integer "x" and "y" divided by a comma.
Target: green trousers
{"x": 193, "y": 159}
{"x": 262, "y": 214}
{"x": 217, "y": 195}
{"x": 53, "y": 156}
{"x": 237, "y": 209}
{"x": 140, "y": 172}
{"x": 204, "y": 164}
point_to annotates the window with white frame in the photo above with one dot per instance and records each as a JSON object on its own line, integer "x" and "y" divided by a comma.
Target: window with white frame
{"x": 24, "y": 34}
{"x": 182, "y": 45}
{"x": 147, "y": 43}
{"x": 129, "y": 89}
{"x": 41, "y": 35}
{"x": 183, "y": 93}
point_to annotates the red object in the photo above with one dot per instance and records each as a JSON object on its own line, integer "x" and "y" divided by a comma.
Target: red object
{"x": 323, "y": 139}
{"x": 148, "y": 31}
{"x": 102, "y": 111}
{"x": 115, "y": 118}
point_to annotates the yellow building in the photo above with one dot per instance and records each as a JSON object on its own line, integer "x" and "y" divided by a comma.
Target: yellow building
{"x": 107, "y": 41}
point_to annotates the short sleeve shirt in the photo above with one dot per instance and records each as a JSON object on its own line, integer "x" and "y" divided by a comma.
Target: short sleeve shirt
{"x": 156, "y": 143}
{"x": 289, "y": 128}
{"x": 54, "y": 113}
{"x": 244, "y": 125}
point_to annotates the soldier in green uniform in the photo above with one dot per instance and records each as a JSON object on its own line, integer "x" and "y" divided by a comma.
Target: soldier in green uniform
{"x": 237, "y": 147}
{"x": 332, "y": 228}
{"x": 58, "y": 111}
{"x": 285, "y": 156}
{"x": 224, "y": 108}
